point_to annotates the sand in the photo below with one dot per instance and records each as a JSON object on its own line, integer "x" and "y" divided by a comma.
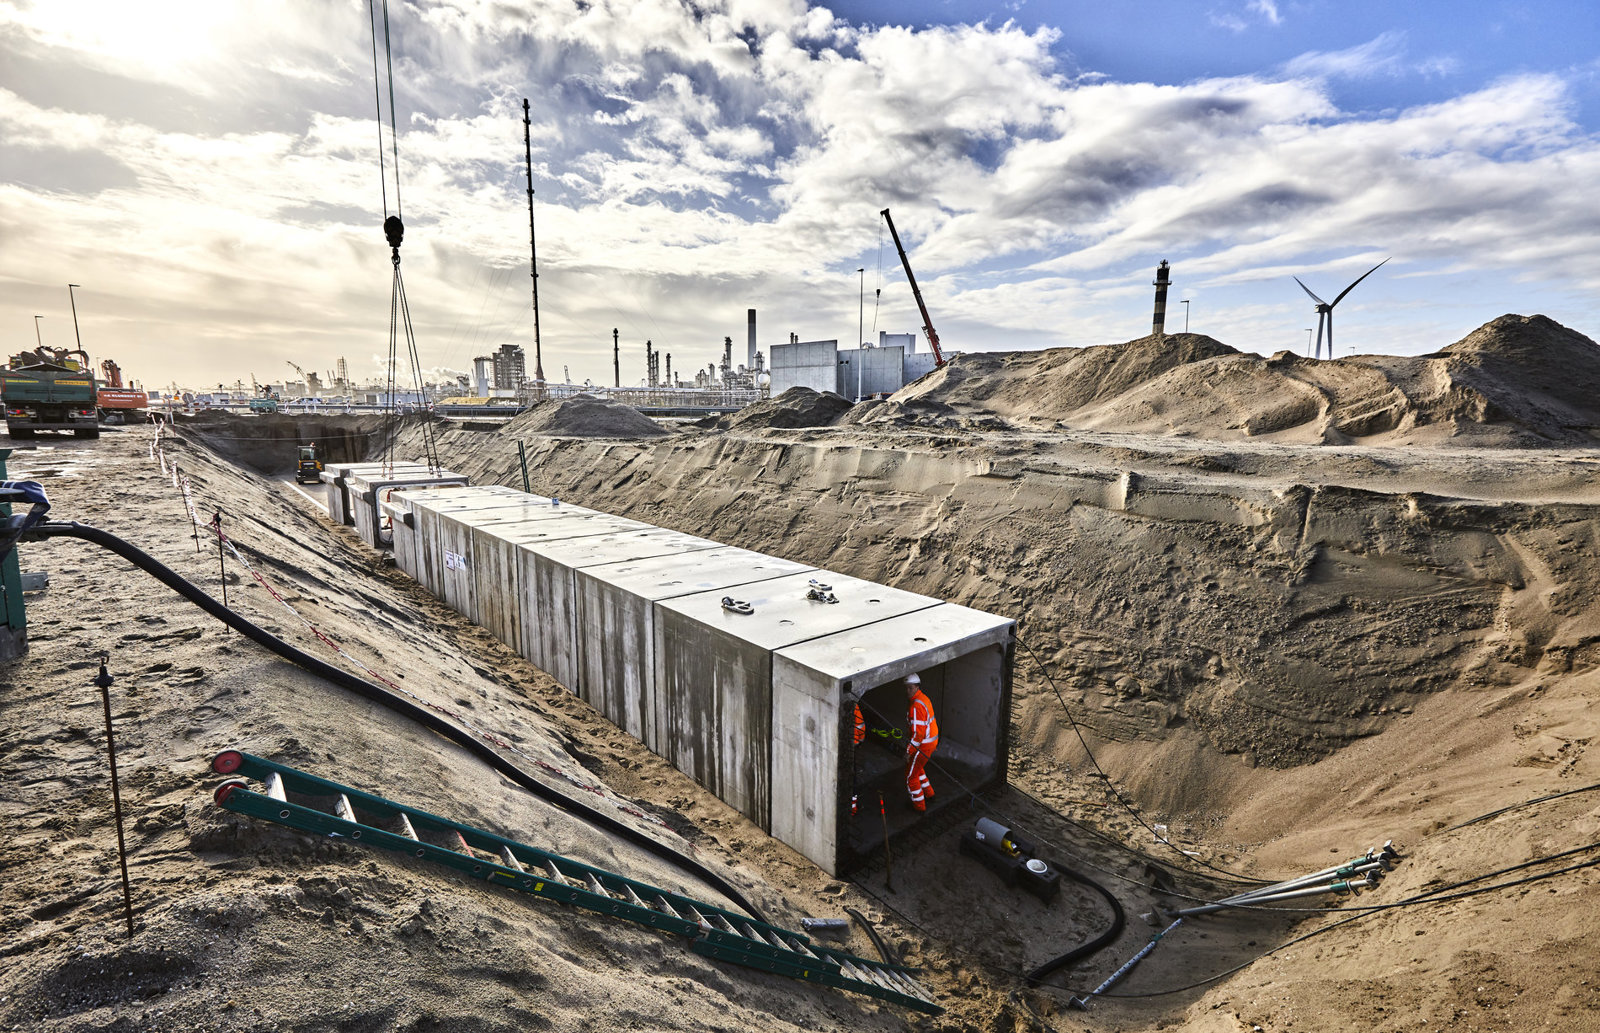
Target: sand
{"x": 1284, "y": 644}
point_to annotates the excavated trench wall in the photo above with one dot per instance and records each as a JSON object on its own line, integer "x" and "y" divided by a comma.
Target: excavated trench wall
{"x": 1269, "y": 624}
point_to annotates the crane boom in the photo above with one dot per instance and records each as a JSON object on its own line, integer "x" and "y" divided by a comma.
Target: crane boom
{"x": 927, "y": 322}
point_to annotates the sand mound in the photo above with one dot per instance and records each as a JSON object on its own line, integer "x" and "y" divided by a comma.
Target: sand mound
{"x": 1518, "y": 381}
{"x": 1533, "y": 372}
{"x": 585, "y": 416}
{"x": 1050, "y": 384}
{"x": 796, "y": 407}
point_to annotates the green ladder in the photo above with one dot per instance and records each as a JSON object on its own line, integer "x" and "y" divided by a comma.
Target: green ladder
{"x": 311, "y": 804}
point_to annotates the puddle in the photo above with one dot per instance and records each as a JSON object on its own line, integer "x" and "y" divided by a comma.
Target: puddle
{"x": 43, "y": 462}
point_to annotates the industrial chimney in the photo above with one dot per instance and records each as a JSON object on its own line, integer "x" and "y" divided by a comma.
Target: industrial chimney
{"x": 1159, "y": 325}
{"x": 750, "y": 362}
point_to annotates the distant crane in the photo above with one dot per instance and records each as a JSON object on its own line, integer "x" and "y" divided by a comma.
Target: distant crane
{"x": 1325, "y": 308}
{"x": 927, "y": 321}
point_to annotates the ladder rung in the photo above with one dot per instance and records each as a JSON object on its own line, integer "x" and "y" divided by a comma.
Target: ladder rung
{"x": 405, "y": 827}
{"x": 772, "y": 938}
{"x": 903, "y": 983}
{"x": 461, "y": 846}
{"x": 873, "y": 975}
{"x": 632, "y": 897}
{"x": 511, "y": 859}
{"x": 275, "y": 787}
{"x": 342, "y": 808}
{"x": 666, "y": 908}
{"x": 596, "y": 886}
{"x": 749, "y": 930}
{"x": 698, "y": 918}
{"x": 555, "y": 873}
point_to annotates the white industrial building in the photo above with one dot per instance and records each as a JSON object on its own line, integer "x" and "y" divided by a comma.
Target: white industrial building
{"x": 853, "y": 372}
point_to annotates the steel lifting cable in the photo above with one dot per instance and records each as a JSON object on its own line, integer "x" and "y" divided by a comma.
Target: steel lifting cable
{"x": 1078, "y": 731}
{"x": 394, "y": 233}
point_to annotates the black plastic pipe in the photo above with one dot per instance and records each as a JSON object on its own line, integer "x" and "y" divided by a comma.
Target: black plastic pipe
{"x": 383, "y": 697}
{"x": 1104, "y": 940}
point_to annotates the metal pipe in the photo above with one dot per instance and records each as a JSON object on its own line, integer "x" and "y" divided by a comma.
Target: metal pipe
{"x": 1342, "y": 886}
{"x": 1084, "y": 1001}
{"x": 1293, "y": 884}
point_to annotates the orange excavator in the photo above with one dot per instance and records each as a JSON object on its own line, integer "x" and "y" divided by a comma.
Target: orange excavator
{"x": 119, "y": 403}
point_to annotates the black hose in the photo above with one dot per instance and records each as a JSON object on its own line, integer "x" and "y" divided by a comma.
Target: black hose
{"x": 885, "y": 952}
{"x": 345, "y": 680}
{"x": 1118, "y": 921}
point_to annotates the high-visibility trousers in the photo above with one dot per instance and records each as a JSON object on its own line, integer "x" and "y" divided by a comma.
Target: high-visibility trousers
{"x": 917, "y": 783}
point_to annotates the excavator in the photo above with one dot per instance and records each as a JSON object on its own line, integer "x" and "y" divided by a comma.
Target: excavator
{"x": 927, "y": 320}
{"x": 308, "y": 468}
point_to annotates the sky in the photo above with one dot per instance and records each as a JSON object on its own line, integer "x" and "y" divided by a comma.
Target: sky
{"x": 209, "y": 173}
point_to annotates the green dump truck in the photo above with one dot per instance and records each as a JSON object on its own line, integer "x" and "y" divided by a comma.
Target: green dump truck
{"x": 49, "y": 389}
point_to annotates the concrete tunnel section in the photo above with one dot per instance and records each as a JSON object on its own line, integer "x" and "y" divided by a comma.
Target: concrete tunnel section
{"x": 756, "y": 706}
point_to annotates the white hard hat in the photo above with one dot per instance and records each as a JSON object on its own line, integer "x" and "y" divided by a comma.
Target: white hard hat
{"x": 913, "y": 678}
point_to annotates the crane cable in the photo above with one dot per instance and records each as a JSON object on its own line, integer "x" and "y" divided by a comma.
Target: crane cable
{"x": 877, "y": 292}
{"x": 394, "y": 232}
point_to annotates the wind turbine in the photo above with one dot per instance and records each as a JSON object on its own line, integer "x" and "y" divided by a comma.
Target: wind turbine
{"x": 1325, "y": 309}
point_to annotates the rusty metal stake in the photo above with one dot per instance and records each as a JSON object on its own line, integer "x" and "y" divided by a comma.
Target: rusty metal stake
{"x": 222, "y": 563}
{"x": 888, "y": 860}
{"x": 103, "y": 680}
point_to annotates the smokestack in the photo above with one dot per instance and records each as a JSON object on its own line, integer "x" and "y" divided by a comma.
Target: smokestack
{"x": 750, "y": 362}
{"x": 727, "y": 356}
{"x": 669, "y": 369}
{"x": 616, "y": 357}
{"x": 649, "y": 366}
{"x": 1159, "y": 325}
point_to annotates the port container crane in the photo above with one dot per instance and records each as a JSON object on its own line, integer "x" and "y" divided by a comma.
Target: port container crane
{"x": 927, "y": 321}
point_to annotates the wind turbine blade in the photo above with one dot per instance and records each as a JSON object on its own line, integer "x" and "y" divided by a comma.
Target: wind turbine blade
{"x": 1314, "y": 298}
{"x": 1363, "y": 276}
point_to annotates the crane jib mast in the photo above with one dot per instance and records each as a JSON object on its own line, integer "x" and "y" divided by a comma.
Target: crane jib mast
{"x": 927, "y": 323}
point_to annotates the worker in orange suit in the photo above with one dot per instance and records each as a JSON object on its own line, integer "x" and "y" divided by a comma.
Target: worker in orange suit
{"x": 860, "y": 734}
{"x": 922, "y": 740}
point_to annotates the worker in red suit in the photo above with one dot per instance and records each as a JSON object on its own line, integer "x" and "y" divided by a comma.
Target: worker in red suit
{"x": 922, "y": 740}
{"x": 860, "y": 734}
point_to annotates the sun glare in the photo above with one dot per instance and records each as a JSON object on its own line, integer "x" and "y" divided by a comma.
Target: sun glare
{"x": 162, "y": 39}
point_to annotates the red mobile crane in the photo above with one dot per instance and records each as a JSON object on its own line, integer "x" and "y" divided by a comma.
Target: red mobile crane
{"x": 927, "y": 322}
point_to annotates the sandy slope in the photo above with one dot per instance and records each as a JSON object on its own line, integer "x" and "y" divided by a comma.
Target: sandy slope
{"x": 1284, "y": 651}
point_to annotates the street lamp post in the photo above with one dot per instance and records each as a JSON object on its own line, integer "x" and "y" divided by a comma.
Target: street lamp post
{"x": 1185, "y": 315}
{"x": 74, "y": 301}
{"x": 1308, "y": 342}
{"x": 861, "y": 328}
